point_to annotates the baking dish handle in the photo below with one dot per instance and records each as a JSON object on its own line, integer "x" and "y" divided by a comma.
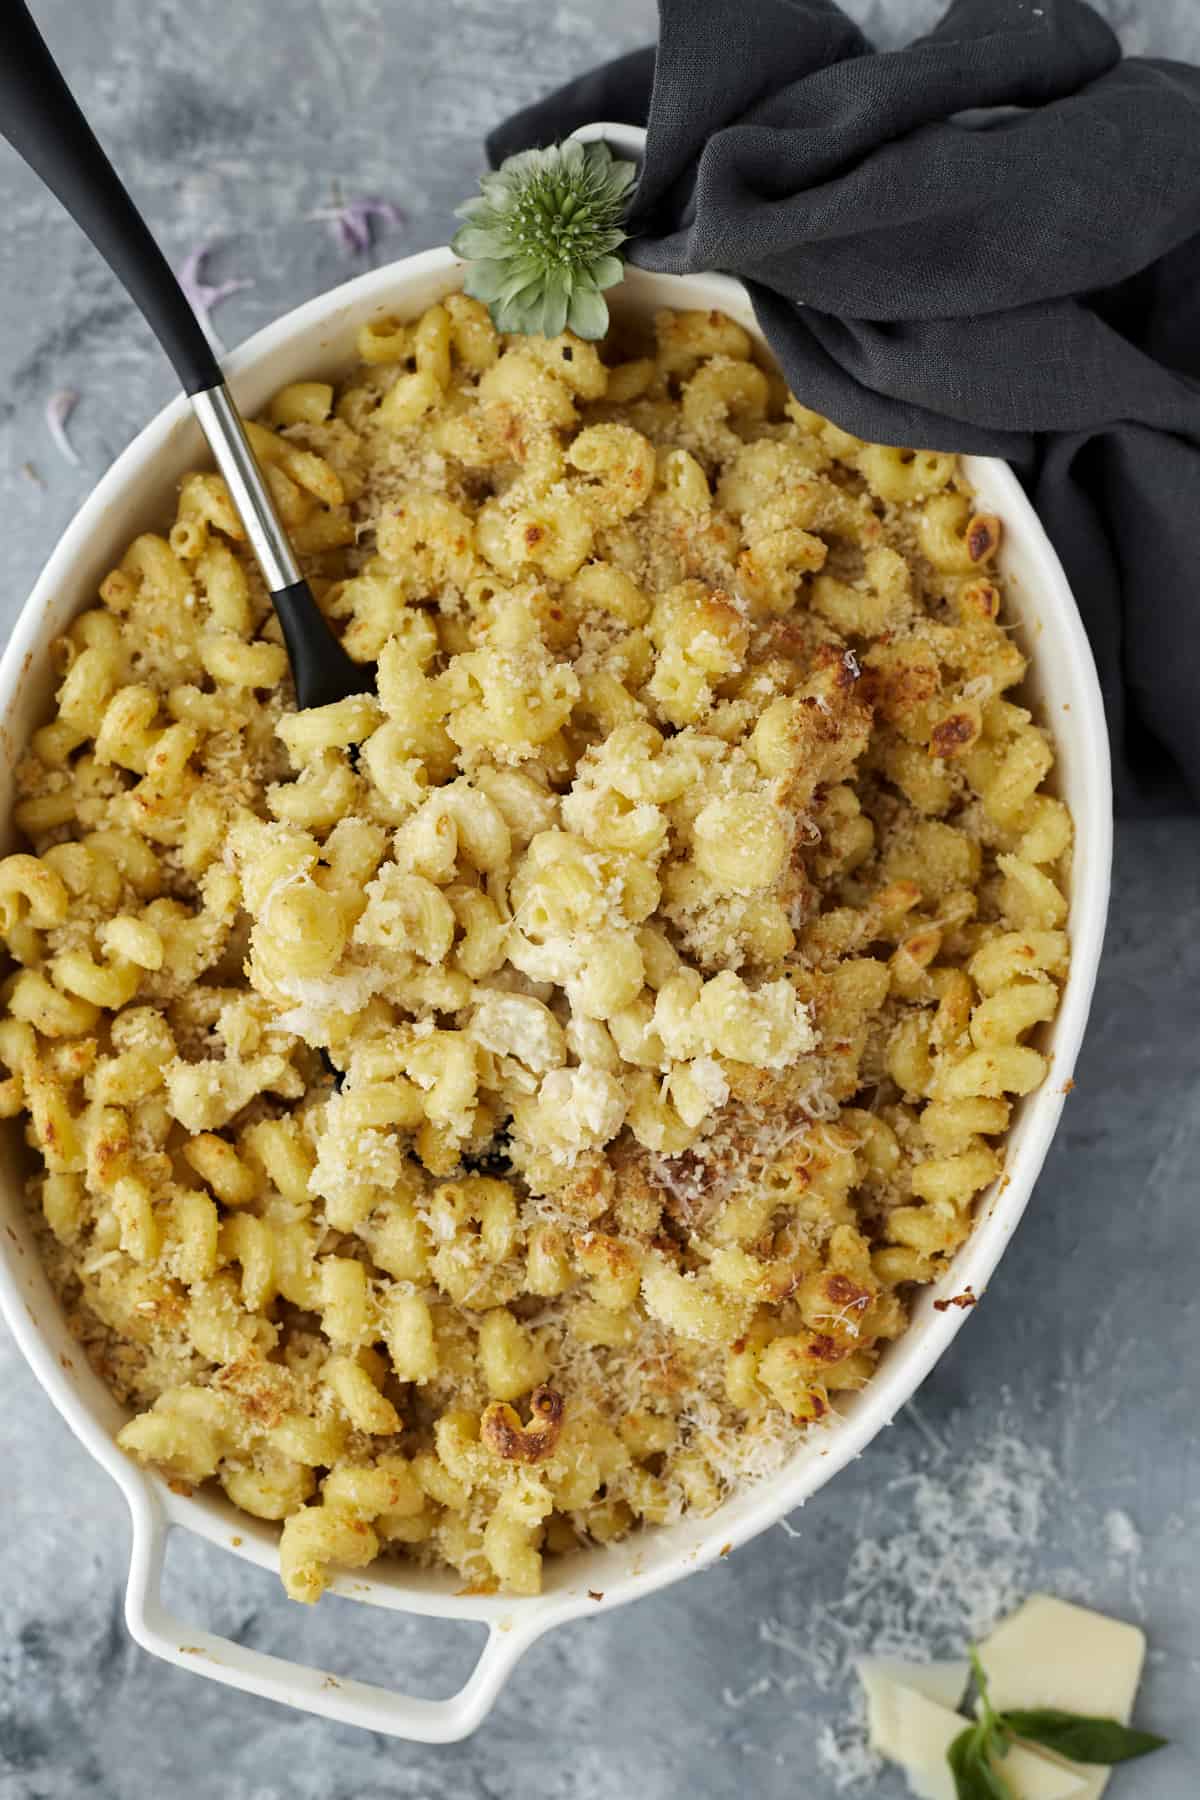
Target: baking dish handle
{"x": 294, "y": 1684}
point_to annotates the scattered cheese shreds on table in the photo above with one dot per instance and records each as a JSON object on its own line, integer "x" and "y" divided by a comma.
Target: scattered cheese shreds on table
{"x": 950, "y": 1546}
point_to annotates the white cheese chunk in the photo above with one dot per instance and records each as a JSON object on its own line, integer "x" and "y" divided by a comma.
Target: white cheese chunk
{"x": 1033, "y": 1776}
{"x": 916, "y": 1732}
{"x": 943, "y": 1682}
{"x": 517, "y": 1025}
{"x": 1050, "y": 1653}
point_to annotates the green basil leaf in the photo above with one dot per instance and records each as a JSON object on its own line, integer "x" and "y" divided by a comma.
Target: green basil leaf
{"x": 962, "y": 1758}
{"x": 1081, "y": 1739}
{"x": 974, "y": 1776}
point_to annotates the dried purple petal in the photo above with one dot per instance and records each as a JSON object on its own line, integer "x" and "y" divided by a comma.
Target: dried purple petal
{"x": 350, "y": 221}
{"x": 59, "y": 408}
{"x": 203, "y": 296}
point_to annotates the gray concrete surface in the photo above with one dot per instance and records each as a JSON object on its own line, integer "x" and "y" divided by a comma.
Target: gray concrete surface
{"x": 1055, "y": 1446}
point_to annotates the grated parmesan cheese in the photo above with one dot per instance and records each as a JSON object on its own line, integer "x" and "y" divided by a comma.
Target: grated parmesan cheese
{"x": 943, "y": 1550}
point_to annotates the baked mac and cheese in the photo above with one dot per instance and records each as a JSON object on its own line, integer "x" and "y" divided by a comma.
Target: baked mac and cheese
{"x": 483, "y": 1114}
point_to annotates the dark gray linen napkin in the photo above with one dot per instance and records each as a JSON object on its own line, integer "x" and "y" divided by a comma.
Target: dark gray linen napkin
{"x": 1022, "y": 281}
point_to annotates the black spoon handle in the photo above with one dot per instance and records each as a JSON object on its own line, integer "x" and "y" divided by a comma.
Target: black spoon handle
{"x": 41, "y": 120}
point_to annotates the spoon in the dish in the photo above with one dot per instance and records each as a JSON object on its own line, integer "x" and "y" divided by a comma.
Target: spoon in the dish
{"x": 41, "y": 120}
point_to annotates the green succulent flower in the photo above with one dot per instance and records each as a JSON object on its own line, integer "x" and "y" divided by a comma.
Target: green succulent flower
{"x": 539, "y": 238}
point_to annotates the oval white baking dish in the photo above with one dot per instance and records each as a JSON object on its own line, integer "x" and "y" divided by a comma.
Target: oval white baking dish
{"x": 318, "y": 339}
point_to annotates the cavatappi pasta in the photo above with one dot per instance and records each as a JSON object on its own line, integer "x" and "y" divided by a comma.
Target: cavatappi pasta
{"x": 678, "y": 916}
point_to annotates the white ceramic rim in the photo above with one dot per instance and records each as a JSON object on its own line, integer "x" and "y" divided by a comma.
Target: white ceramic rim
{"x": 310, "y": 340}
